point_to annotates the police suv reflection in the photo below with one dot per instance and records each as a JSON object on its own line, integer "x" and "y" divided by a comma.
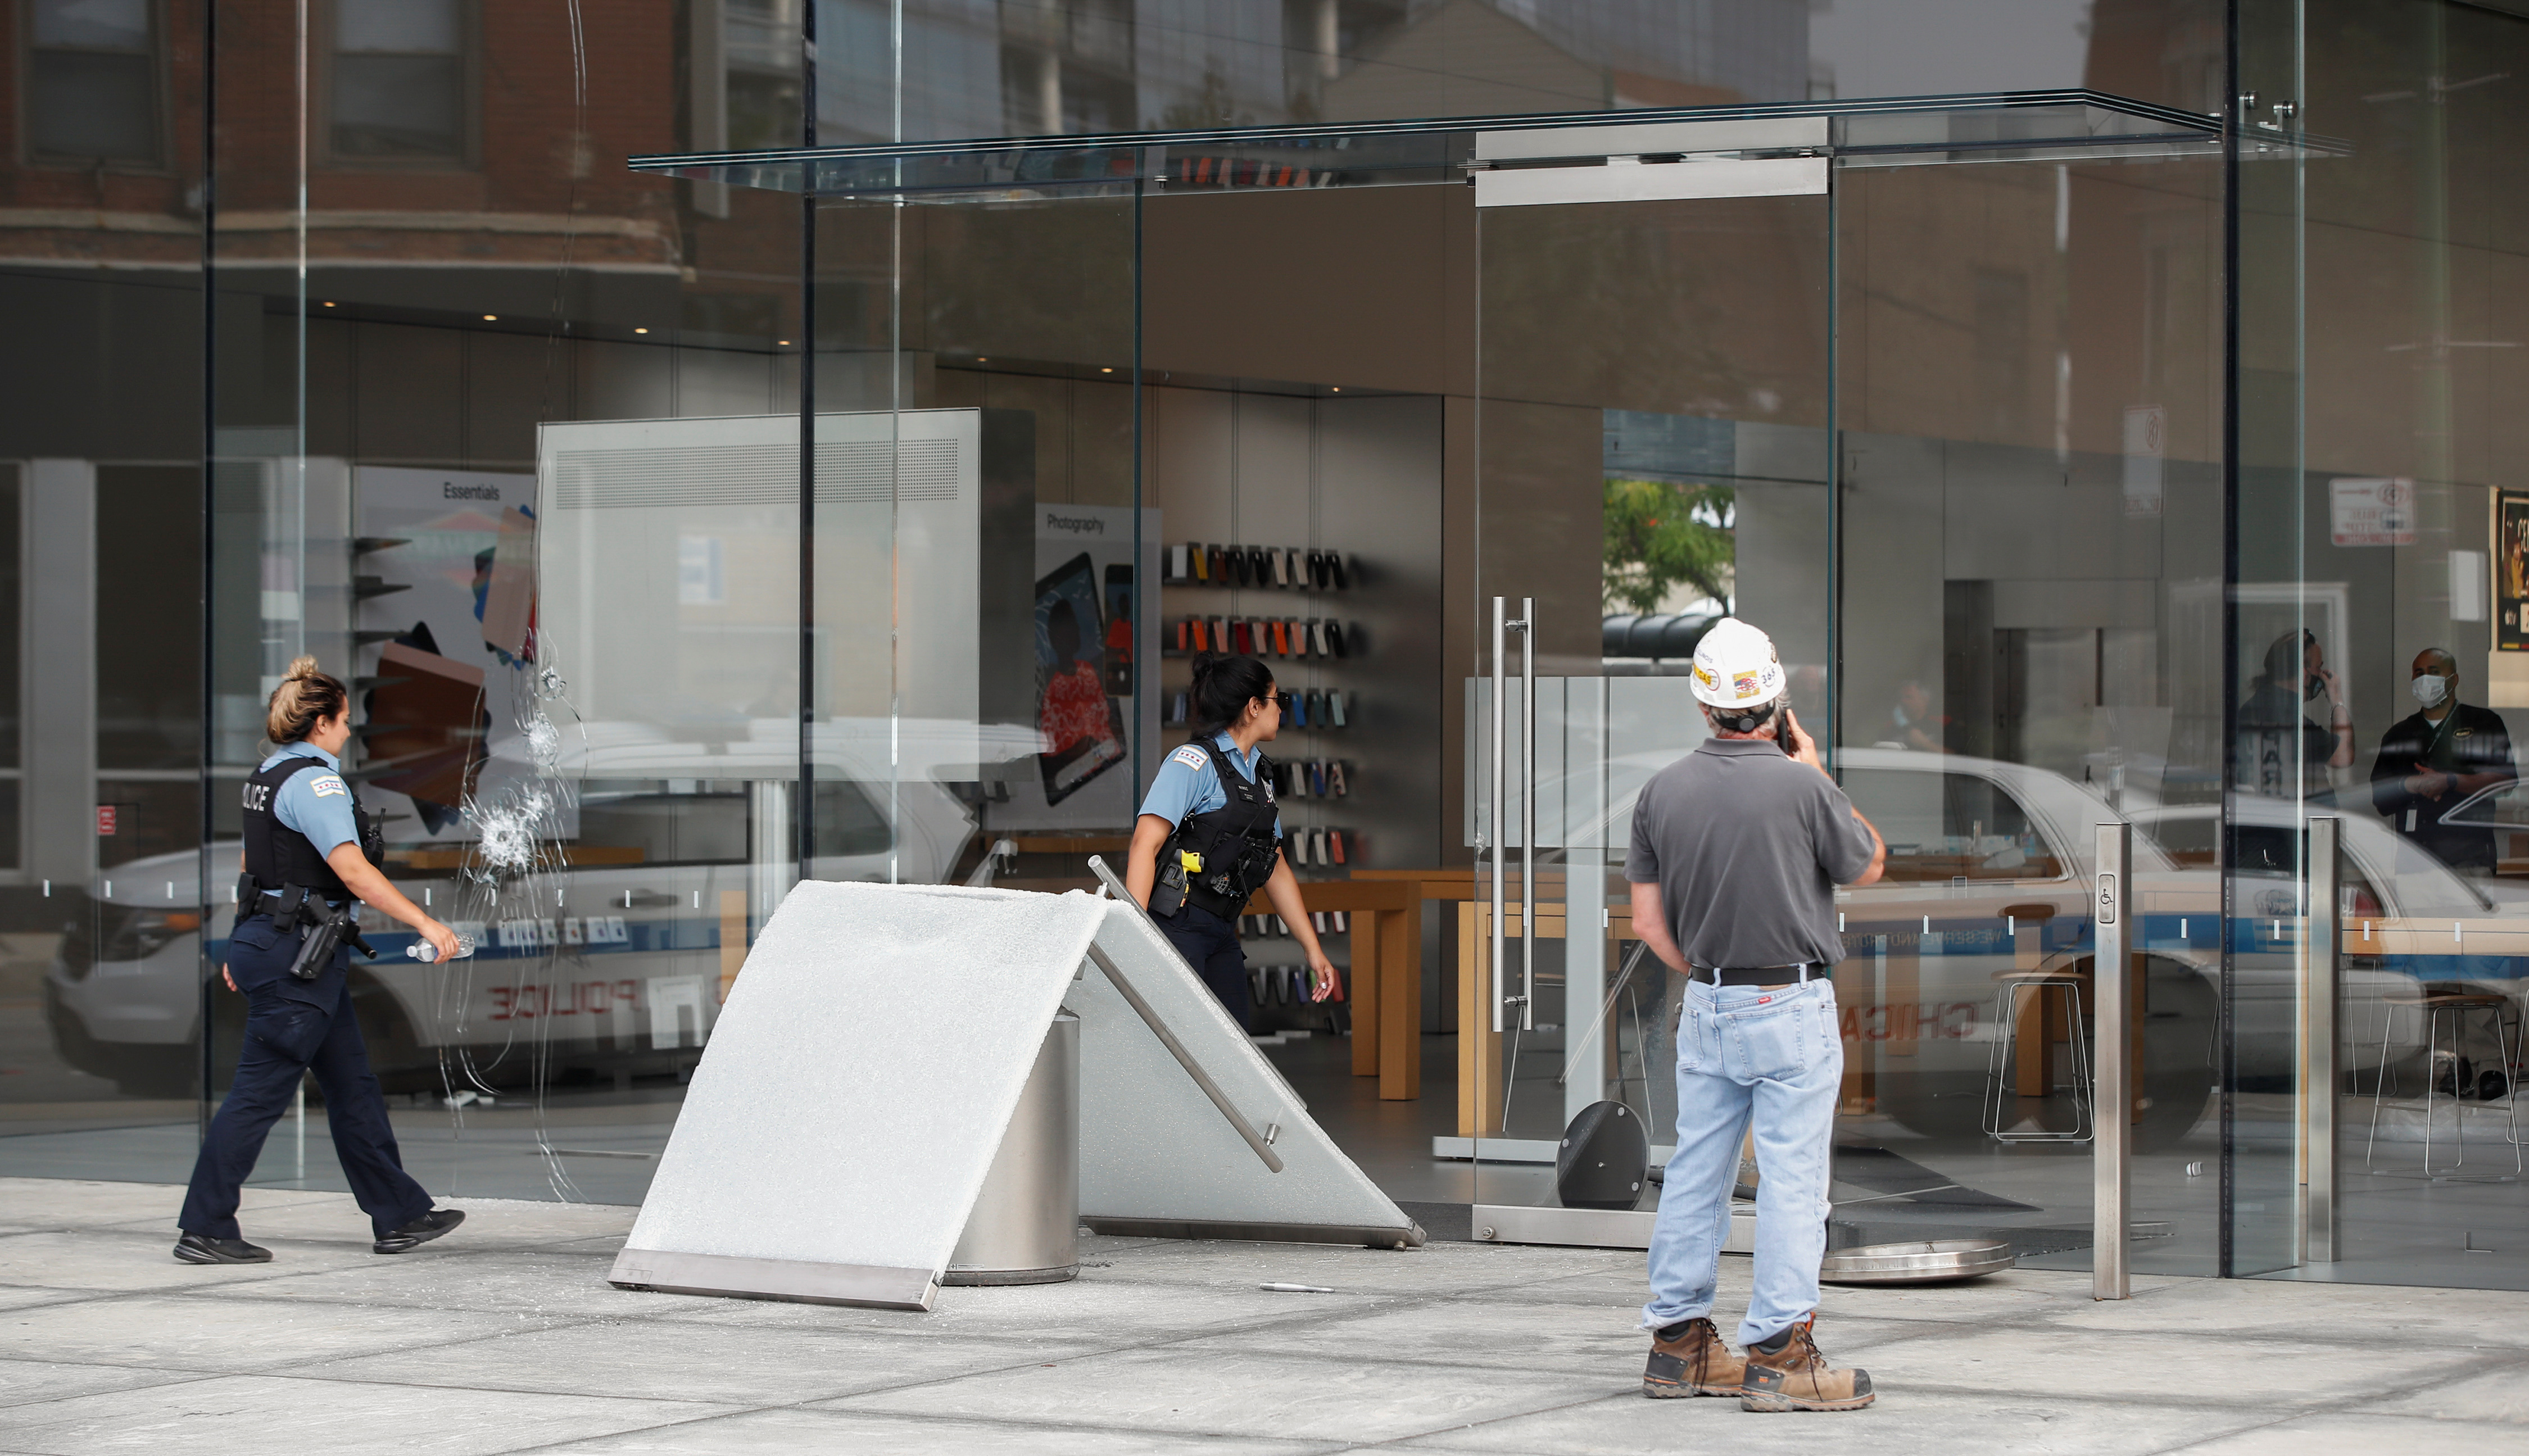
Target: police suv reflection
{"x": 625, "y": 974}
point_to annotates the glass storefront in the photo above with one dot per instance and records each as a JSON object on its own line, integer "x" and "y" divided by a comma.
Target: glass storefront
{"x": 713, "y": 468}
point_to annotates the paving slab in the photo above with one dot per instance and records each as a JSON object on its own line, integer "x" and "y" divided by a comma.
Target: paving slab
{"x": 2365, "y": 1314}
{"x": 277, "y": 1417}
{"x": 1575, "y": 1339}
{"x": 28, "y": 1381}
{"x": 63, "y": 1203}
{"x": 2498, "y": 1394}
{"x": 535, "y": 1281}
{"x": 747, "y": 1367}
{"x": 102, "y": 1262}
{"x": 1113, "y": 1311}
{"x": 2178, "y": 1368}
{"x": 1232, "y": 1393}
{"x": 865, "y": 1434}
{"x": 490, "y": 1223}
{"x": 2344, "y": 1434}
{"x": 231, "y": 1334}
{"x": 1899, "y": 1424}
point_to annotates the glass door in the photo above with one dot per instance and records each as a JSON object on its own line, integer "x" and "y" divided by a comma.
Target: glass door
{"x": 1654, "y": 391}
{"x": 1945, "y": 433}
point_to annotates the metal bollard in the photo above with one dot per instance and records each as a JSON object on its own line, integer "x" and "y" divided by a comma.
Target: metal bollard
{"x": 1025, "y": 1229}
{"x": 2112, "y": 1101}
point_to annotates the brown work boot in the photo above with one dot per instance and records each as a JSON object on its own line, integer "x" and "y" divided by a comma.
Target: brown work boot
{"x": 1797, "y": 1377}
{"x": 1694, "y": 1361}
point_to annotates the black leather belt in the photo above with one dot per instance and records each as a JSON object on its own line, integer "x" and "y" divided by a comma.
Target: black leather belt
{"x": 1800, "y": 970}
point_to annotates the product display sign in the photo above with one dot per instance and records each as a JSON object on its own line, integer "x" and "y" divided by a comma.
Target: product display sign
{"x": 449, "y": 569}
{"x": 1087, "y": 716}
{"x": 2370, "y": 511}
{"x": 2512, "y": 571}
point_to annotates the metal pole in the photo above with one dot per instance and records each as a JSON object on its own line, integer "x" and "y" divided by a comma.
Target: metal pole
{"x": 2322, "y": 917}
{"x": 1528, "y": 814}
{"x": 2112, "y": 1100}
{"x": 1493, "y": 812}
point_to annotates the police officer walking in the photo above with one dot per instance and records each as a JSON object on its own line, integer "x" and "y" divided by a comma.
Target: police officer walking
{"x": 1737, "y": 850}
{"x": 1210, "y": 836}
{"x": 309, "y": 852}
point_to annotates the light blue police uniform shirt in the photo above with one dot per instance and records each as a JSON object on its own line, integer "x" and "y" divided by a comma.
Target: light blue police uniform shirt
{"x": 1187, "y": 784}
{"x": 317, "y": 804}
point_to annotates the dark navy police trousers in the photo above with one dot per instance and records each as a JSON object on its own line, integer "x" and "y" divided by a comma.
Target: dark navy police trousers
{"x": 1210, "y": 944}
{"x": 293, "y": 1027}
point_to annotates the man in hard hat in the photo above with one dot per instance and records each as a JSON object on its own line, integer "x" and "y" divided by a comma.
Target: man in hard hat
{"x": 1737, "y": 850}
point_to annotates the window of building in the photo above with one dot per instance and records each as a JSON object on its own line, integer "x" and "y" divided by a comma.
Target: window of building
{"x": 92, "y": 81}
{"x": 399, "y": 79}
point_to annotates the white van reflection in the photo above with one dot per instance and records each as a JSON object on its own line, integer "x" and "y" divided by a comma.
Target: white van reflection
{"x": 623, "y": 974}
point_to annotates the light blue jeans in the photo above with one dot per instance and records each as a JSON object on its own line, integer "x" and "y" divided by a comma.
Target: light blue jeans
{"x": 1776, "y": 1056}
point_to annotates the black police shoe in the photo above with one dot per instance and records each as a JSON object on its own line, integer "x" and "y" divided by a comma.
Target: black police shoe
{"x": 420, "y": 1232}
{"x": 202, "y": 1248}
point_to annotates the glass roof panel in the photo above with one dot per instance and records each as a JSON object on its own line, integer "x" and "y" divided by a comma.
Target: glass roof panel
{"x": 2013, "y": 126}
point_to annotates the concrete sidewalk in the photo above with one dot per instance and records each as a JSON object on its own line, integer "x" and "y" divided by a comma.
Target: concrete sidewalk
{"x": 504, "y": 1336}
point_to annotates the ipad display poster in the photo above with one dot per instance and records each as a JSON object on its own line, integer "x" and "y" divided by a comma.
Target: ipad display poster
{"x": 1088, "y": 641}
{"x": 449, "y": 570}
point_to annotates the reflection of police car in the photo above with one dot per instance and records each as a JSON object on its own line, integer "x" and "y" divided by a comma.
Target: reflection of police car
{"x": 1989, "y": 869}
{"x": 1990, "y": 866}
{"x": 616, "y": 960}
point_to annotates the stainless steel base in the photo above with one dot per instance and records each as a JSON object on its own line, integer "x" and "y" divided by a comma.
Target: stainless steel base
{"x": 793, "y": 1279}
{"x": 987, "y": 1277}
{"x": 1411, "y": 1236}
{"x": 1930, "y": 1262}
{"x": 1594, "y": 1229}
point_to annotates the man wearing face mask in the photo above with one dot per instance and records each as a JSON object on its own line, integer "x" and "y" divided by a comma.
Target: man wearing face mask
{"x": 2432, "y": 761}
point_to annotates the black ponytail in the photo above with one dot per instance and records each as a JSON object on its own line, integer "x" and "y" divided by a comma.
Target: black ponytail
{"x": 1223, "y": 686}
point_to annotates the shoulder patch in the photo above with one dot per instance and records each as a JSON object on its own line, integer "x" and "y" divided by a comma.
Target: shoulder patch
{"x": 326, "y": 784}
{"x": 1191, "y": 756}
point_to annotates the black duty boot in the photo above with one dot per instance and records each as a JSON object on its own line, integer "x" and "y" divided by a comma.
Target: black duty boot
{"x": 420, "y": 1232}
{"x": 202, "y": 1248}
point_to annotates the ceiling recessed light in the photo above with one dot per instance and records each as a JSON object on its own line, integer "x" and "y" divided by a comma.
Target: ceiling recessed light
{"x": 1338, "y": 389}
{"x": 640, "y": 331}
{"x": 491, "y": 318}
{"x": 979, "y": 358}
{"x": 328, "y": 302}
{"x": 782, "y": 342}
{"x": 1108, "y": 371}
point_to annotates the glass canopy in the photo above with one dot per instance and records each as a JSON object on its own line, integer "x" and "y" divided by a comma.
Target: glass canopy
{"x": 2000, "y": 127}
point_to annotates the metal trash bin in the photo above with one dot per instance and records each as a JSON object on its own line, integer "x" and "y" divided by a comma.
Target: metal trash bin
{"x": 1026, "y": 1225}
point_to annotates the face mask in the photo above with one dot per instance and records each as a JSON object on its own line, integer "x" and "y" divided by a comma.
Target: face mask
{"x": 2430, "y": 688}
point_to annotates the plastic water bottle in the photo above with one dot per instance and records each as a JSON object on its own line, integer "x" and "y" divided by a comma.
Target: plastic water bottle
{"x": 423, "y": 950}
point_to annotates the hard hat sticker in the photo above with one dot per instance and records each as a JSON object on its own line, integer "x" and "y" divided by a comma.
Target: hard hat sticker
{"x": 1743, "y": 685}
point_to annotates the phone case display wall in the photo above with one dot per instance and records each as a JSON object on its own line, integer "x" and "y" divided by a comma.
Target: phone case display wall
{"x": 1316, "y": 634}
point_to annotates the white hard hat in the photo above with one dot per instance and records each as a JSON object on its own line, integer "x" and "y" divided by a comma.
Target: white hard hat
{"x": 1735, "y": 666}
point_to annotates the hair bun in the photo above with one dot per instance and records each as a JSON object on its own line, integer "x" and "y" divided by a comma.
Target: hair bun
{"x": 1205, "y": 662}
{"x": 301, "y": 667}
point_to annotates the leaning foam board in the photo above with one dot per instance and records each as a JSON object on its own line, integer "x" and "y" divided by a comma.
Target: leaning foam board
{"x": 1157, "y": 1157}
{"x": 857, "y": 1083}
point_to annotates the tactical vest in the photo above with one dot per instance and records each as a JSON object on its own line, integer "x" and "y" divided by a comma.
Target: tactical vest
{"x": 277, "y": 855}
{"x": 1234, "y": 845}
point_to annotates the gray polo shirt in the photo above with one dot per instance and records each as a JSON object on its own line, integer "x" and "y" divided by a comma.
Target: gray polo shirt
{"x": 1746, "y": 846}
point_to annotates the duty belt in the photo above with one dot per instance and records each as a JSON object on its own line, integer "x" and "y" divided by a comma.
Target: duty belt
{"x": 1798, "y": 971}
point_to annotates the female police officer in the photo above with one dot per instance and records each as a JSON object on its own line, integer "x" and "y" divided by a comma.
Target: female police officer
{"x": 1208, "y": 836}
{"x": 304, "y": 834}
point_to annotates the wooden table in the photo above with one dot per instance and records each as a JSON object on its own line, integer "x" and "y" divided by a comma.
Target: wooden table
{"x": 1387, "y": 974}
{"x": 1479, "y": 1049}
